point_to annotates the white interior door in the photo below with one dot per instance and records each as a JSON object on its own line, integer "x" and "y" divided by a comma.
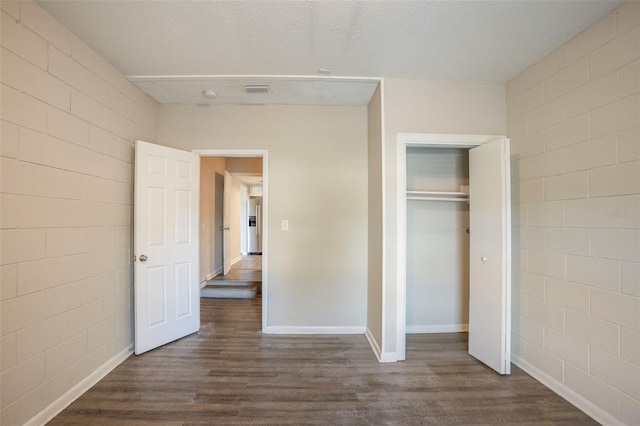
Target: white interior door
{"x": 226, "y": 224}
{"x": 490, "y": 255}
{"x": 166, "y": 284}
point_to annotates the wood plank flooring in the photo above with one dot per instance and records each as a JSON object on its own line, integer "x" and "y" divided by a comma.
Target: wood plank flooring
{"x": 230, "y": 373}
{"x": 249, "y": 268}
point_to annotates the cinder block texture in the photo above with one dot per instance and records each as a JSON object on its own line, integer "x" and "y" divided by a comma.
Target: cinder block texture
{"x": 575, "y": 124}
{"x": 69, "y": 120}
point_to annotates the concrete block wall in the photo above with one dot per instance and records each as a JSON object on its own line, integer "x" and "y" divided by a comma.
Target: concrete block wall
{"x": 573, "y": 120}
{"x": 68, "y": 123}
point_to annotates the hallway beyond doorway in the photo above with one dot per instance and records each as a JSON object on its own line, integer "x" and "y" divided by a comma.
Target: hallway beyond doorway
{"x": 248, "y": 268}
{"x": 244, "y": 280}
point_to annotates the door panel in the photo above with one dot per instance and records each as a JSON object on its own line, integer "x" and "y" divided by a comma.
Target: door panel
{"x": 183, "y": 217}
{"x": 166, "y": 288}
{"x": 490, "y": 255}
{"x": 156, "y": 303}
{"x": 226, "y": 224}
{"x": 219, "y": 224}
{"x": 183, "y": 290}
{"x": 156, "y": 208}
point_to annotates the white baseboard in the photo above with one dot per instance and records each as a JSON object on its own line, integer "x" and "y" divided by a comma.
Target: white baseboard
{"x": 312, "y": 330}
{"x": 213, "y": 274}
{"x": 444, "y": 328}
{"x": 75, "y": 392}
{"x": 382, "y": 357}
{"x": 597, "y": 413}
{"x": 388, "y": 357}
{"x": 373, "y": 344}
{"x": 236, "y": 260}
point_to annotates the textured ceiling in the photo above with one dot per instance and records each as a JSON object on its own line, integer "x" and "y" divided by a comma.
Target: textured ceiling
{"x": 488, "y": 41}
{"x": 283, "y": 91}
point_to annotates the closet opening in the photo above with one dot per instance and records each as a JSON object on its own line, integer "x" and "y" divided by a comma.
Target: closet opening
{"x": 437, "y": 261}
{"x": 454, "y": 242}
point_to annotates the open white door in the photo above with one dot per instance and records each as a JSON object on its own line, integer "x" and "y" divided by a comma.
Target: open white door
{"x": 226, "y": 225}
{"x": 166, "y": 283}
{"x": 490, "y": 255}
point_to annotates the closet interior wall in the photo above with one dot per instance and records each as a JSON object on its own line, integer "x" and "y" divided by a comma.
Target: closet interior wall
{"x": 437, "y": 240}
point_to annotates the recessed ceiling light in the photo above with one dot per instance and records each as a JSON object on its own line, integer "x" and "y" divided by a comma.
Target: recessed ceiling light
{"x": 257, "y": 88}
{"x": 325, "y": 71}
{"x": 209, "y": 94}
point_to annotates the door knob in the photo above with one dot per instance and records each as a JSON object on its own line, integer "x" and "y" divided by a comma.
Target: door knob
{"x": 222, "y": 228}
{"x": 484, "y": 259}
{"x": 143, "y": 258}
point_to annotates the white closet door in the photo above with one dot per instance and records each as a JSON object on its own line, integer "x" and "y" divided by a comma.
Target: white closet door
{"x": 490, "y": 255}
{"x": 166, "y": 286}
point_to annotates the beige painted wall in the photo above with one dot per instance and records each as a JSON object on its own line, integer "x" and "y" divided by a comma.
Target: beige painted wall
{"x": 69, "y": 120}
{"x": 244, "y": 165}
{"x": 317, "y": 181}
{"x": 412, "y": 106}
{"x": 574, "y": 120}
{"x": 374, "y": 245}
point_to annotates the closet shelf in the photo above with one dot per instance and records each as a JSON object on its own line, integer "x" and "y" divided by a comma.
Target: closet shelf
{"x": 438, "y": 196}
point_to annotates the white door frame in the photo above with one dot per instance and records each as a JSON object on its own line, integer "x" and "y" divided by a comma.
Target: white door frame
{"x": 404, "y": 141}
{"x": 265, "y": 213}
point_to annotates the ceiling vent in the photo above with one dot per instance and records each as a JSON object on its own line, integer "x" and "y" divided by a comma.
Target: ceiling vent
{"x": 257, "y": 88}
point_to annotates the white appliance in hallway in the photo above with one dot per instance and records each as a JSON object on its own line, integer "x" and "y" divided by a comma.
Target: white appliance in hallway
{"x": 254, "y": 225}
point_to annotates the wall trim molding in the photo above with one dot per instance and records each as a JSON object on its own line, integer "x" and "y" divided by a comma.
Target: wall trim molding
{"x": 283, "y": 329}
{"x": 597, "y": 413}
{"x": 212, "y": 275}
{"x": 382, "y": 357}
{"x": 372, "y": 342}
{"x": 236, "y": 260}
{"x": 384, "y": 218}
{"x": 440, "y": 328}
{"x": 75, "y": 392}
{"x": 389, "y": 357}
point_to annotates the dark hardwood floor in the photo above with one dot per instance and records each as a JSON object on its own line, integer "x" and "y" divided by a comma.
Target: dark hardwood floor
{"x": 230, "y": 373}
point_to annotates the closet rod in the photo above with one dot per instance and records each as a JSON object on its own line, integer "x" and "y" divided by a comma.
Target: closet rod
{"x": 466, "y": 200}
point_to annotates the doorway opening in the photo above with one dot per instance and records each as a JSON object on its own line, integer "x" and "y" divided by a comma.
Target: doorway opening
{"x": 233, "y": 240}
{"x": 233, "y": 263}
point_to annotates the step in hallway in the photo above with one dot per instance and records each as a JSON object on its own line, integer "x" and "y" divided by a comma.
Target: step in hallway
{"x": 244, "y": 280}
{"x": 231, "y": 373}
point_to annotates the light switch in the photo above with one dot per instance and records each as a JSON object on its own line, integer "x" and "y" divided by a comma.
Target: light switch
{"x": 285, "y": 225}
